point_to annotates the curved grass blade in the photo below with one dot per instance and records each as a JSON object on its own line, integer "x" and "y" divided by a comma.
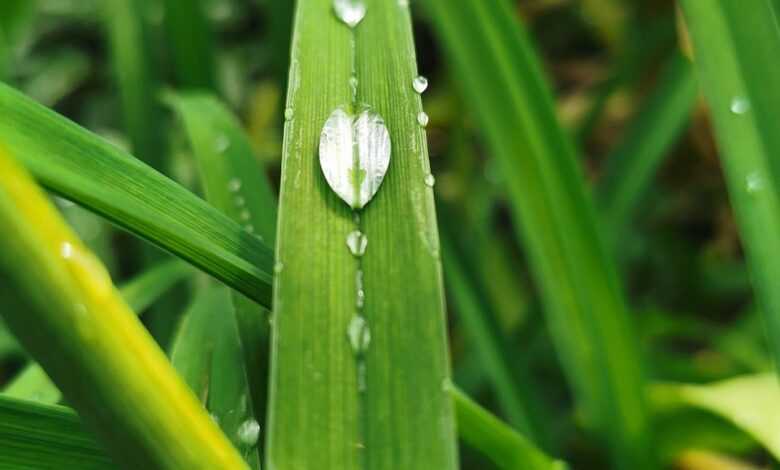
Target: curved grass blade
{"x": 46, "y": 436}
{"x": 32, "y": 383}
{"x": 380, "y": 402}
{"x": 735, "y": 52}
{"x": 583, "y": 302}
{"x": 88, "y": 170}
{"x": 632, "y": 164}
{"x": 234, "y": 182}
{"x": 502, "y": 444}
{"x": 92, "y": 345}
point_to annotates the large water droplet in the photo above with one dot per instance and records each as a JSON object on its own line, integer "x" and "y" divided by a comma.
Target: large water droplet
{"x": 357, "y": 242}
{"x": 249, "y": 432}
{"x": 351, "y": 12}
{"x": 354, "y": 155}
{"x": 422, "y": 119}
{"x": 420, "y": 84}
{"x": 429, "y": 180}
{"x": 359, "y": 334}
{"x": 739, "y": 105}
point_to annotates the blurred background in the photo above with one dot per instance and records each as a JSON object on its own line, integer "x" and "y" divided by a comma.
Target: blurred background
{"x": 617, "y": 69}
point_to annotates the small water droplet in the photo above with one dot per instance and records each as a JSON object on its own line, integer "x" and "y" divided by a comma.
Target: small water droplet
{"x": 222, "y": 143}
{"x": 422, "y": 119}
{"x": 446, "y": 385}
{"x": 359, "y": 335}
{"x": 420, "y": 84}
{"x": 66, "y": 250}
{"x": 214, "y": 418}
{"x": 361, "y": 299}
{"x": 249, "y": 228}
{"x": 429, "y": 180}
{"x": 354, "y": 154}
{"x": 278, "y": 267}
{"x": 357, "y": 242}
{"x": 249, "y": 432}
{"x": 239, "y": 201}
{"x": 739, "y": 105}
{"x": 754, "y": 183}
{"x": 288, "y": 114}
{"x": 245, "y": 215}
{"x": 351, "y": 12}
{"x": 234, "y": 185}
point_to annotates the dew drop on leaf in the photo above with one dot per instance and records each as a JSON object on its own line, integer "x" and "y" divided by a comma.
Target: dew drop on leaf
{"x": 739, "y": 105}
{"x": 351, "y": 12}
{"x": 249, "y": 432}
{"x": 221, "y": 144}
{"x": 420, "y": 84}
{"x": 429, "y": 180}
{"x": 234, "y": 185}
{"x": 422, "y": 119}
{"x": 288, "y": 114}
{"x": 359, "y": 334}
{"x": 753, "y": 183}
{"x": 357, "y": 242}
{"x": 354, "y": 154}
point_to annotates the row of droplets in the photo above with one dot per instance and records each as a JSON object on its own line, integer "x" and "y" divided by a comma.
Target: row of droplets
{"x": 754, "y": 183}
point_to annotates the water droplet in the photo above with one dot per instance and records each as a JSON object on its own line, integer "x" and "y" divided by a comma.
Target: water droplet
{"x": 359, "y": 334}
{"x": 288, "y": 114}
{"x": 354, "y": 155}
{"x": 754, "y": 183}
{"x": 278, "y": 267}
{"x": 222, "y": 143}
{"x": 249, "y": 432}
{"x": 422, "y": 119}
{"x": 249, "y": 228}
{"x": 446, "y": 385}
{"x": 239, "y": 201}
{"x": 234, "y": 185}
{"x": 245, "y": 215}
{"x": 740, "y": 105}
{"x": 351, "y": 12}
{"x": 353, "y": 86}
{"x": 66, "y": 250}
{"x": 361, "y": 299}
{"x": 357, "y": 242}
{"x": 420, "y": 84}
{"x": 403, "y": 3}
{"x": 429, "y": 180}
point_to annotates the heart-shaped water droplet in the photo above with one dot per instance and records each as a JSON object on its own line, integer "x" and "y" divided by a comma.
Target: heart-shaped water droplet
{"x": 351, "y": 12}
{"x": 354, "y": 154}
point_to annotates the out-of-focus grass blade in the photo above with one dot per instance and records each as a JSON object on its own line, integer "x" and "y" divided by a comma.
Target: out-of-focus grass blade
{"x": 46, "y": 436}
{"x": 487, "y": 341}
{"x": 79, "y": 329}
{"x": 55, "y": 75}
{"x": 508, "y": 449}
{"x": 15, "y": 18}
{"x": 634, "y": 162}
{"x": 749, "y": 402}
{"x": 192, "y": 44}
{"x": 735, "y": 51}
{"x": 134, "y": 72}
{"x": 234, "y": 182}
{"x": 380, "y": 402}
{"x": 32, "y": 382}
{"x": 582, "y": 297}
{"x": 84, "y": 168}
{"x": 206, "y": 351}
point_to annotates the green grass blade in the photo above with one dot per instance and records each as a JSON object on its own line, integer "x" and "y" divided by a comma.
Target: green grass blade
{"x": 585, "y": 309}
{"x": 15, "y": 18}
{"x": 97, "y": 175}
{"x": 402, "y": 418}
{"x": 234, "y": 182}
{"x": 46, "y": 436}
{"x": 87, "y": 339}
{"x": 192, "y": 44}
{"x": 502, "y": 444}
{"x": 206, "y": 352}
{"x": 736, "y": 58}
{"x": 631, "y": 166}
{"x": 32, "y": 382}
{"x": 134, "y": 72}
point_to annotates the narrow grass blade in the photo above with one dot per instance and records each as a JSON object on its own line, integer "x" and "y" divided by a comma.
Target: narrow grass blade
{"x": 735, "y": 52}
{"x": 15, "y": 18}
{"x": 192, "y": 44}
{"x": 46, "y": 436}
{"x": 97, "y": 175}
{"x": 585, "y": 309}
{"x": 234, "y": 182}
{"x": 32, "y": 383}
{"x": 502, "y": 444}
{"x": 379, "y": 401}
{"x": 206, "y": 352}
{"x": 632, "y": 165}
{"x": 749, "y": 402}
{"x": 91, "y": 344}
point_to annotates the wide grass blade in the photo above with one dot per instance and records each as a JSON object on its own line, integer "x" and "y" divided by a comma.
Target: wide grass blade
{"x": 379, "y": 404}
{"x": 632, "y": 165}
{"x": 91, "y": 344}
{"x": 234, "y": 182}
{"x": 36, "y": 436}
{"x": 32, "y": 383}
{"x": 502, "y": 444}
{"x": 585, "y": 309}
{"x": 86, "y": 169}
{"x": 735, "y": 52}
